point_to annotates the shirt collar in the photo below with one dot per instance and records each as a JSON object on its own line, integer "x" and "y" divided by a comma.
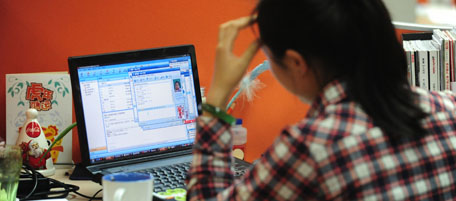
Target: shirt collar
{"x": 334, "y": 92}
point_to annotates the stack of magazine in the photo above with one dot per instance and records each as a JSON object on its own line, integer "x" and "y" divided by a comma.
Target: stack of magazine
{"x": 431, "y": 59}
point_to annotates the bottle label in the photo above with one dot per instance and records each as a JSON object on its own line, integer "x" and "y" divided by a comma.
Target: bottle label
{"x": 239, "y": 151}
{"x": 33, "y": 129}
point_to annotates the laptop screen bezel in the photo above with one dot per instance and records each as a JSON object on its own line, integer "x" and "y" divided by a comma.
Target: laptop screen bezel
{"x": 116, "y": 58}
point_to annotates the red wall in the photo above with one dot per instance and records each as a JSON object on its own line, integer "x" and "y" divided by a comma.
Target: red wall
{"x": 38, "y": 36}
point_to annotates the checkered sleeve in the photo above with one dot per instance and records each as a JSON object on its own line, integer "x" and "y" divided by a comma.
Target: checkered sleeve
{"x": 210, "y": 172}
{"x": 285, "y": 172}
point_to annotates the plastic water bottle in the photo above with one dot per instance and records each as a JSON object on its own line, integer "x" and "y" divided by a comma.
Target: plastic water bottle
{"x": 239, "y": 139}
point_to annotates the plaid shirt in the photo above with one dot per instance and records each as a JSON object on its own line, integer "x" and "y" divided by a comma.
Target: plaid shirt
{"x": 335, "y": 153}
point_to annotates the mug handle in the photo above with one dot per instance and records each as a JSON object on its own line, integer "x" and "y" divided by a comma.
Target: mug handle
{"x": 118, "y": 195}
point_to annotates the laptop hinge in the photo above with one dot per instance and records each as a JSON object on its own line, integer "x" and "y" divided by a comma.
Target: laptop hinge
{"x": 98, "y": 168}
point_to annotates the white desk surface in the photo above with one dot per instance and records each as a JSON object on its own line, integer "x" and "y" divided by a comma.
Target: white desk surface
{"x": 86, "y": 187}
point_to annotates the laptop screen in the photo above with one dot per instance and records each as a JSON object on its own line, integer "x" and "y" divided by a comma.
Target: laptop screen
{"x": 138, "y": 105}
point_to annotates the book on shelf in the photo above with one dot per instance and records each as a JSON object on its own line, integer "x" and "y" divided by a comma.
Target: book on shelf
{"x": 434, "y": 65}
{"x": 423, "y": 63}
{"x": 50, "y": 94}
{"x": 452, "y": 48}
{"x": 431, "y": 58}
{"x": 443, "y": 42}
{"x": 410, "y": 55}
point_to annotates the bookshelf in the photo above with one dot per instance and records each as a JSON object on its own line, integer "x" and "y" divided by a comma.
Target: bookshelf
{"x": 413, "y": 27}
{"x": 431, "y": 55}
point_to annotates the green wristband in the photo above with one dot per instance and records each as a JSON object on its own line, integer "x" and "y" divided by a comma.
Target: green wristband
{"x": 219, "y": 113}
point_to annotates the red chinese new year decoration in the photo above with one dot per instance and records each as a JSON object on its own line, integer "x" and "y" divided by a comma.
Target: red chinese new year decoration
{"x": 39, "y": 97}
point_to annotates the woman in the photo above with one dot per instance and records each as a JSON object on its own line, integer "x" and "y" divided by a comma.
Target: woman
{"x": 367, "y": 136}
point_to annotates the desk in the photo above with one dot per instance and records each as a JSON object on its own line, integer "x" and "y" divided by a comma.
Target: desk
{"x": 86, "y": 187}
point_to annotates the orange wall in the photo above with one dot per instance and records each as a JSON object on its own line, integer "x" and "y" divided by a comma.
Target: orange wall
{"x": 38, "y": 36}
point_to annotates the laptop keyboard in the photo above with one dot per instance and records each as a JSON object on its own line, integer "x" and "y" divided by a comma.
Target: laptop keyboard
{"x": 173, "y": 176}
{"x": 169, "y": 177}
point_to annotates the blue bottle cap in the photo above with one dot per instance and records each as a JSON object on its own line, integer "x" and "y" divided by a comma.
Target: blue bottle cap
{"x": 239, "y": 121}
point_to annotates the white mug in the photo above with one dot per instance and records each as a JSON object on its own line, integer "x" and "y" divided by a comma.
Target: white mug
{"x": 128, "y": 186}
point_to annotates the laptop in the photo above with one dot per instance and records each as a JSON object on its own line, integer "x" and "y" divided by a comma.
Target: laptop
{"x": 136, "y": 110}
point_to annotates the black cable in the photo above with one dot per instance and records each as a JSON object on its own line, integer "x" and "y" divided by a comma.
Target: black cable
{"x": 89, "y": 197}
{"x": 69, "y": 188}
{"x": 96, "y": 198}
{"x": 34, "y": 173}
{"x": 60, "y": 194}
{"x": 29, "y": 171}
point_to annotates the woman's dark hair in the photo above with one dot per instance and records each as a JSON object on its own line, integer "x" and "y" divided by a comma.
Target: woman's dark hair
{"x": 353, "y": 41}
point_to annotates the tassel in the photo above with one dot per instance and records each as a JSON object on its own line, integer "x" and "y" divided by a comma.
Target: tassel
{"x": 249, "y": 84}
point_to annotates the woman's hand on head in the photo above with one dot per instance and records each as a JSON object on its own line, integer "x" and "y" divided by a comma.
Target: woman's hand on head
{"x": 229, "y": 68}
